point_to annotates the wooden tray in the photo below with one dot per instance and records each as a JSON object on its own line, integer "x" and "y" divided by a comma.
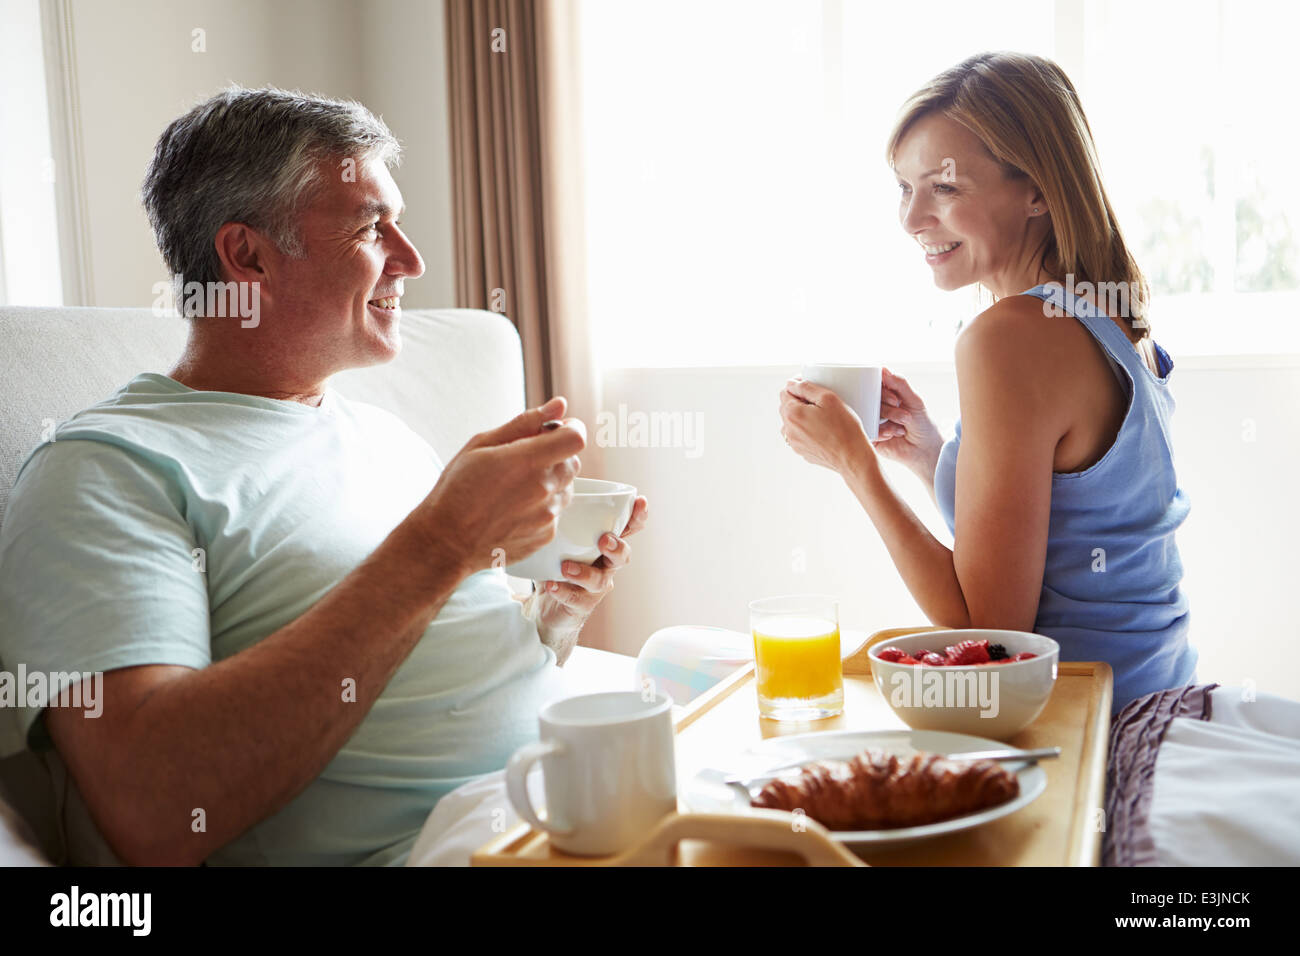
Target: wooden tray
{"x": 1062, "y": 827}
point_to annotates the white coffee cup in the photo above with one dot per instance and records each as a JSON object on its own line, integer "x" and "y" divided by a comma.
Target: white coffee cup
{"x": 858, "y": 385}
{"x": 608, "y": 767}
{"x": 597, "y": 507}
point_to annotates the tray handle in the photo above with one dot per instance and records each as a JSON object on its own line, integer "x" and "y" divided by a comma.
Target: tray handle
{"x": 761, "y": 829}
{"x": 859, "y": 663}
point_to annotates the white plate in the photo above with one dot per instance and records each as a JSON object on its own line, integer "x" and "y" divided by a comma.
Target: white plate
{"x": 707, "y": 793}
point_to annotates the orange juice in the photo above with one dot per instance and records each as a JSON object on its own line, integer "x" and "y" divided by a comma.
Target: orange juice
{"x": 800, "y": 662}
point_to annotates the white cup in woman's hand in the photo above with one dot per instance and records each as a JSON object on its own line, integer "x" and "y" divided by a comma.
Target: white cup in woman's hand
{"x": 857, "y": 385}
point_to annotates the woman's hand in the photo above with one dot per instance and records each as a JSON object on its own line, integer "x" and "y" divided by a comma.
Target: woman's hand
{"x": 817, "y": 424}
{"x": 907, "y": 435}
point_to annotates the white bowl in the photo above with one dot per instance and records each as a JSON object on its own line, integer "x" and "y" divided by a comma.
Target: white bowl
{"x": 986, "y": 700}
{"x": 597, "y": 507}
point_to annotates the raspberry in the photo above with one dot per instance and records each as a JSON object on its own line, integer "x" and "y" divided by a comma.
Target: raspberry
{"x": 891, "y": 654}
{"x": 933, "y": 659}
{"x": 969, "y": 652}
{"x": 905, "y": 659}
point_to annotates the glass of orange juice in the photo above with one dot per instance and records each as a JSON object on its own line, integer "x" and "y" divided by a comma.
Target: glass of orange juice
{"x": 797, "y": 657}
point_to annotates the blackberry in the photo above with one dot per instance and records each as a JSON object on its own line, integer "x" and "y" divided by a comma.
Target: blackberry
{"x": 997, "y": 652}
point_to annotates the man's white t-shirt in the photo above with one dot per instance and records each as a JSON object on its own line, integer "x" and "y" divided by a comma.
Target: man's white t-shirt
{"x": 166, "y": 525}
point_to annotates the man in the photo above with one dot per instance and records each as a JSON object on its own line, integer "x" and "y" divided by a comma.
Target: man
{"x": 304, "y": 639}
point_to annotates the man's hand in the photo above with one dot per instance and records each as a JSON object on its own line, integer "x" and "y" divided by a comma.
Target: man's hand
{"x": 564, "y": 607}
{"x": 504, "y": 491}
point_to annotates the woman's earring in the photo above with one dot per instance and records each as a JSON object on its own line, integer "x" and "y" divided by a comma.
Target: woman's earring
{"x": 1035, "y": 209}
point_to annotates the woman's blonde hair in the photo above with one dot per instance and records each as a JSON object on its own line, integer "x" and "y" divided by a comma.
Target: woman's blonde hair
{"x": 1027, "y": 114}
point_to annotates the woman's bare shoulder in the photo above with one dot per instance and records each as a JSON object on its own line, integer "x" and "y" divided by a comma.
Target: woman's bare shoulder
{"x": 1016, "y": 353}
{"x": 1016, "y": 331}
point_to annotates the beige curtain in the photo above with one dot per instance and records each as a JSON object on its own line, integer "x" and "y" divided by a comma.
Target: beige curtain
{"x": 517, "y": 197}
{"x": 517, "y": 191}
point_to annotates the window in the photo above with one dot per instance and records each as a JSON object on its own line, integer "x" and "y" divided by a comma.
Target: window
{"x": 29, "y": 246}
{"x": 1196, "y": 152}
{"x": 740, "y": 210}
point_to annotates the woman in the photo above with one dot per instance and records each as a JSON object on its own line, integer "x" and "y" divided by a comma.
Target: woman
{"x": 1059, "y": 485}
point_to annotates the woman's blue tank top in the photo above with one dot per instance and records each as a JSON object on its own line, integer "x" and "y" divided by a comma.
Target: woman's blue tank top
{"x": 1111, "y": 582}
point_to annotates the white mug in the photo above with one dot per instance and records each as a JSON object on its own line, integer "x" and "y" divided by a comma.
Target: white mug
{"x": 858, "y": 385}
{"x": 597, "y": 507}
{"x": 608, "y": 767}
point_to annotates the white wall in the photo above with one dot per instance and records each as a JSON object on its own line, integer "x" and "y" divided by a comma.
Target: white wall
{"x": 732, "y": 524}
{"x": 136, "y": 71}
{"x": 404, "y": 79}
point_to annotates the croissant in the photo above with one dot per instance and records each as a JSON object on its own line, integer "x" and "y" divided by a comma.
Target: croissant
{"x": 876, "y": 790}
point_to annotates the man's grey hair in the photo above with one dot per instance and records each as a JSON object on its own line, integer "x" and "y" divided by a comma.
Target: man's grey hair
{"x": 250, "y": 156}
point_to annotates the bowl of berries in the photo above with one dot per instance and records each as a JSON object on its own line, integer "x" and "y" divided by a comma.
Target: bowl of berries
{"x": 973, "y": 681}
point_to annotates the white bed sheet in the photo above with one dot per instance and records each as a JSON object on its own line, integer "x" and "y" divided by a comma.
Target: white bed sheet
{"x": 1227, "y": 790}
{"x": 475, "y": 812}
